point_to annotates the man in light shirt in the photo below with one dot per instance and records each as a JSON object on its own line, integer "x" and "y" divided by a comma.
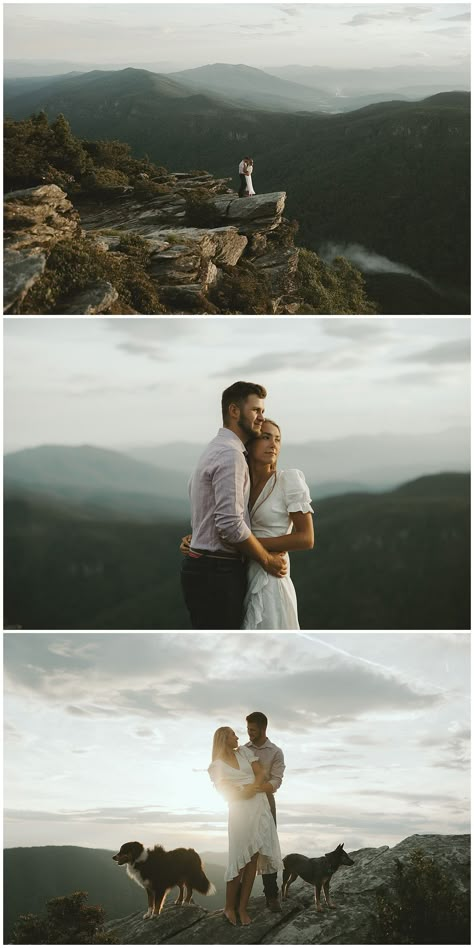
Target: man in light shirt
{"x": 214, "y": 573}
{"x": 273, "y": 763}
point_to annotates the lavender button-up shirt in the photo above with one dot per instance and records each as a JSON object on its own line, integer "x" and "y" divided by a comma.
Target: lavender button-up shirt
{"x": 272, "y": 761}
{"x": 219, "y": 492}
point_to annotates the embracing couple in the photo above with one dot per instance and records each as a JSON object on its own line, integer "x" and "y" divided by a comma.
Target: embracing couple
{"x": 247, "y": 777}
{"x": 246, "y": 516}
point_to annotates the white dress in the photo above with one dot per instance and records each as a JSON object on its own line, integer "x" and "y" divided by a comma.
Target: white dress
{"x": 270, "y": 602}
{"x": 248, "y": 181}
{"x": 251, "y": 825}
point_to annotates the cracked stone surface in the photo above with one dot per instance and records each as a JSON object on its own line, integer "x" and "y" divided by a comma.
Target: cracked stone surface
{"x": 354, "y": 891}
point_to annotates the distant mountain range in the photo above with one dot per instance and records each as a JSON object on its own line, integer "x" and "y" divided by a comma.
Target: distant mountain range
{"x": 35, "y": 874}
{"x": 161, "y": 472}
{"x": 340, "y": 86}
{"x": 92, "y": 479}
{"x": 374, "y": 462}
{"x": 393, "y": 177}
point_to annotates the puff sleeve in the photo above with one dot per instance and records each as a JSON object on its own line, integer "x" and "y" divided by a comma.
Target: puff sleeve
{"x": 248, "y": 753}
{"x": 296, "y": 492}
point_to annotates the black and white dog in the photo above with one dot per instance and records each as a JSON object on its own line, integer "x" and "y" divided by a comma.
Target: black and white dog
{"x": 158, "y": 871}
{"x": 317, "y": 872}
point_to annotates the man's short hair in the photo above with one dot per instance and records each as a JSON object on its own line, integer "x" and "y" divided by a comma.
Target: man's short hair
{"x": 238, "y": 393}
{"x": 258, "y": 718}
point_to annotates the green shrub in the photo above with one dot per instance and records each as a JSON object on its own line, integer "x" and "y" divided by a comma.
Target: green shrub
{"x": 426, "y": 910}
{"x": 199, "y": 210}
{"x": 241, "y": 289}
{"x": 338, "y": 289}
{"x": 103, "y": 179}
{"x": 73, "y": 265}
{"x": 68, "y": 921}
{"x": 36, "y": 152}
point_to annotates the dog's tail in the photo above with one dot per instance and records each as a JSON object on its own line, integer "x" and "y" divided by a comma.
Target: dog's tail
{"x": 197, "y": 877}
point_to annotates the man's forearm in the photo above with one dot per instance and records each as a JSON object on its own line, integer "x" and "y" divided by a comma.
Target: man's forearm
{"x": 266, "y": 787}
{"x": 252, "y": 548}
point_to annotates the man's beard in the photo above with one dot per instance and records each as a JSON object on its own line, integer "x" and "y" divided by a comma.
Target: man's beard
{"x": 247, "y": 429}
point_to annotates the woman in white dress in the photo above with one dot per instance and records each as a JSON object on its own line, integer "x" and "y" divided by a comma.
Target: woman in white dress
{"x": 280, "y": 513}
{"x": 248, "y": 178}
{"x": 253, "y": 842}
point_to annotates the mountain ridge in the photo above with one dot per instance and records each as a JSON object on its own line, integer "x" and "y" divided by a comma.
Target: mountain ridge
{"x": 405, "y": 160}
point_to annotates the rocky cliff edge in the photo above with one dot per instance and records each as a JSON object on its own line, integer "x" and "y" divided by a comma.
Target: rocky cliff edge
{"x": 185, "y": 260}
{"x": 354, "y": 891}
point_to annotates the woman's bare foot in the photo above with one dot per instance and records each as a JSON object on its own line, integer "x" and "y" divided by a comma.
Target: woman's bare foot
{"x": 244, "y": 917}
{"x": 230, "y": 916}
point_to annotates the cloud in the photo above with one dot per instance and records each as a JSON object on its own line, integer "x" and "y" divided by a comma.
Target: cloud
{"x": 359, "y": 330}
{"x": 154, "y": 679}
{"x": 410, "y": 13}
{"x": 449, "y": 31}
{"x": 461, "y": 17}
{"x": 413, "y": 378}
{"x": 451, "y": 352}
{"x": 294, "y": 10}
{"x": 153, "y": 352}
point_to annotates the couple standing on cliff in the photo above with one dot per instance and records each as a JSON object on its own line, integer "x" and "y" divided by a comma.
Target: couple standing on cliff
{"x": 248, "y": 777}
{"x": 245, "y": 173}
{"x": 246, "y": 516}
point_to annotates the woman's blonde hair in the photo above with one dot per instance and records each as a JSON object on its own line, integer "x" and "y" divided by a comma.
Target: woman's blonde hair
{"x": 219, "y": 742}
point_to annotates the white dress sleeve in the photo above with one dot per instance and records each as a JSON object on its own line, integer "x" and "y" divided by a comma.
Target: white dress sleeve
{"x": 296, "y": 492}
{"x": 215, "y": 771}
{"x": 248, "y": 753}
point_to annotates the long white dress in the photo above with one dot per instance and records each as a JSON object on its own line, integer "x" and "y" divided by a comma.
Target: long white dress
{"x": 248, "y": 181}
{"x": 270, "y": 602}
{"x": 251, "y": 825}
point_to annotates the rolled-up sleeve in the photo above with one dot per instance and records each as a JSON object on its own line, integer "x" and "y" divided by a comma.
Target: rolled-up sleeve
{"x": 277, "y": 770}
{"x": 228, "y": 482}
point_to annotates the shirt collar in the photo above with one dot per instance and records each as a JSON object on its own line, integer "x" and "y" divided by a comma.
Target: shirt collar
{"x": 259, "y": 746}
{"x": 234, "y": 439}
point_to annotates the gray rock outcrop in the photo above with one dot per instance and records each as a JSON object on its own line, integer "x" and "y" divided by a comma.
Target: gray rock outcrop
{"x": 184, "y": 262}
{"x": 354, "y": 891}
{"x": 35, "y": 219}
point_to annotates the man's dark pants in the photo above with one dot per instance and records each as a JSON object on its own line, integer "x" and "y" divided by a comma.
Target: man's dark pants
{"x": 269, "y": 879}
{"x": 214, "y": 591}
{"x": 243, "y": 185}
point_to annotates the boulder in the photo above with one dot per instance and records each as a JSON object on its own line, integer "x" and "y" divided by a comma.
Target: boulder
{"x": 20, "y": 271}
{"x": 95, "y": 299}
{"x": 231, "y": 207}
{"x": 37, "y": 218}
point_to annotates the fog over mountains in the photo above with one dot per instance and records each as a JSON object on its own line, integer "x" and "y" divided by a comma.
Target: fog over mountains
{"x": 408, "y": 81}
{"x": 377, "y": 462}
{"x": 288, "y": 88}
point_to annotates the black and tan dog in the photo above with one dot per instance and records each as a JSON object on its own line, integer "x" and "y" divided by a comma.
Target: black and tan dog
{"x": 317, "y": 872}
{"x": 158, "y": 871}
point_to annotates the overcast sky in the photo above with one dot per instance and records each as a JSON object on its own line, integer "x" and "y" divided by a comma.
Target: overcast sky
{"x": 264, "y": 34}
{"x": 108, "y": 736}
{"x": 118, "y": 382}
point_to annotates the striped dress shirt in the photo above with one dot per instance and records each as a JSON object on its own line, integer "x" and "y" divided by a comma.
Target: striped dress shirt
{"x": 219, "y": 493}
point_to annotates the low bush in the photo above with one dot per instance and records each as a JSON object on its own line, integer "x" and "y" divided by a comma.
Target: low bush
{"x": 241, "y": 289}
{"x": 427, "y": 908}
{"x": 68, "y": 921}
{"x": 200, "y": 212}
{"x": 73, "y": 265}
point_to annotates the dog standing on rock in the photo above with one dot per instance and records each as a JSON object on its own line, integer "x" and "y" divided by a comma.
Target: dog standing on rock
{"x": 317, "y": 872}
{"x": 158, "y": 871}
